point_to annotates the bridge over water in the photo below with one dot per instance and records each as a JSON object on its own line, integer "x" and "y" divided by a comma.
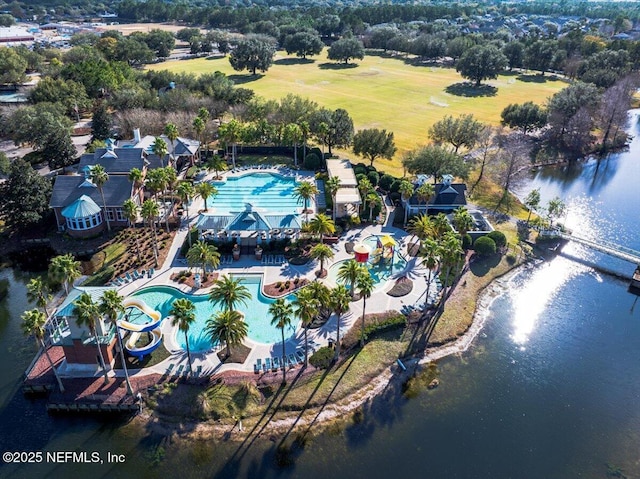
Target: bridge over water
{"x": 607, "y": 247}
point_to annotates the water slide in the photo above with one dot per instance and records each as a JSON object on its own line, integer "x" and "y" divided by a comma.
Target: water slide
{"x": 130, "y": 345}
{"x": 154, "y": 316}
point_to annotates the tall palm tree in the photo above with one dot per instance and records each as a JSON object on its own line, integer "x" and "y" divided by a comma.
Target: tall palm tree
{"x": 183, "y": 312}
{"x": 198, "y": 126}
{"x": 281, "y": 312}
{"x": 149, "y": 212}
{"x": 365, "y": 285}
{"x": 321, "y": 252}
{"x": 64, "y": 269}
{"x": 154, "y": 181}
{"x": 206, "y": 190}
{"x": 303, "y": 193}
{"x": 373, "y": 200}
{"x": 33, "y": 323}
{"x": 406, "y": 191}
{"x": 306, "y": 308}
{"x": 441, "y": 226}
{"x": 292, "y": 135}
{"x": 364, "y": 187}
{"x": 228, "y": 327}
{"x": 340, "y": 299}
{"x": 430, "y": 253}
{"x": 203, "y": 114}
{"x": 451, "y": 249}
{"x": 228, "y": 293}
{"x": 421, "y": 226}
{"x": 424, "y": 192}
{"x": 323, "y": 294}
{"x": 159, "y": 148}
{"x": 130, "y": 212}
{"x": 333, "y": 185}
{"x": 99, "y": 177}
{"x": 38, "y": 292}
{"x": 172, "y": 180}
{"x": 136, "y": 177}
{"x": 171, "y": 131}
{"x": 462, "y": 221}
{"x": 305, "y": 129}
{"x": 87, "y": 312}
{"x": 112, "y": 305}
{"x": 186, "y": 192}
{"x": 203, "y": 254}
{"x": 348, "y": 273}
{"x": 231, "y": 133}
{"x": 322, "y": 225}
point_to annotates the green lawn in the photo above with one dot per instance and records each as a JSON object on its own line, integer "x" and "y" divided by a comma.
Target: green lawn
{"x": 382, "y": 92}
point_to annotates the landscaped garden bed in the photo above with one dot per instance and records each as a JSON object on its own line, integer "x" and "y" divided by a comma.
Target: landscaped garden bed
{"x": 188, "y": 278}
{"x": 282, "y": 288}
{"x": 402, "y": 287}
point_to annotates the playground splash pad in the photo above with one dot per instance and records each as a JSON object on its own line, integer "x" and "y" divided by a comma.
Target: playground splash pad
{"x": 256, "y": 313}
{"x": 383, "y": 263}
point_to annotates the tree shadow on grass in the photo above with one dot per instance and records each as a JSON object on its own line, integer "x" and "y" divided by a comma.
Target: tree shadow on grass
{"x": 538, "y": 78}
{"x": 470, "y": 90}
{"x": 242, "y": 79}
{"x": 480, "y": 266}
{"x": 337, "y": 66}
{"x": 294, "y": 61}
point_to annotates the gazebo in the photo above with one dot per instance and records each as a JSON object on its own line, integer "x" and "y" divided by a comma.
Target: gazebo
{"x": 83, "y": 215}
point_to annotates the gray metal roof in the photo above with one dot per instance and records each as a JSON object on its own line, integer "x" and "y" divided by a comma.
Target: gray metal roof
{"x": 68, "y": 188}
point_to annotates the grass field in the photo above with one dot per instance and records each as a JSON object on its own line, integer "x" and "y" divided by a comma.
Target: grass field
{"x": 383, "y": 92}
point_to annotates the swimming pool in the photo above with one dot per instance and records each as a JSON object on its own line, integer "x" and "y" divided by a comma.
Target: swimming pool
{"x": 256, "y": 313}
{"x": 267, "y": 191}
{"x": 380, "y": 269}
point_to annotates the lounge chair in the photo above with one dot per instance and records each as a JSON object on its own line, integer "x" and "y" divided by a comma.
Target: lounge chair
{"x": 143, "y": 273}
{"x": 136, "y": 275}
{"x": 300, "y": 355}
{"x": 198, "y": 372}
{"x": 179, "y": 372}
{"x": 257, "y": 366}
{"x": 150, "y": 273}
{"x": 286, "y": 363}
{"x": 275, "y": 363}
{"x": 129, "y": 277}
{"x": 170, "y": 368}
{"x": 267, "y": 365}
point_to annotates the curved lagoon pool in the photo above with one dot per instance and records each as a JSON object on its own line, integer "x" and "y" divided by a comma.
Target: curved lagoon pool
{"x": 256, "y": 313}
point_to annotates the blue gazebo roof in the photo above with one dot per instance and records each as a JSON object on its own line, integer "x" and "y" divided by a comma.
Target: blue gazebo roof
{"x": 83, "y": 207}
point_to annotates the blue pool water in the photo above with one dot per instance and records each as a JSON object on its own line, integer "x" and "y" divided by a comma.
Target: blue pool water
{"x": 381, "y": 269}
{"x": 255, "y": 313}
{"x": 263, "y": 190}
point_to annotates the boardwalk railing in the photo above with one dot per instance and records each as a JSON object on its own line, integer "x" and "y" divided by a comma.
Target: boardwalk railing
{"x": 607, "y": 247}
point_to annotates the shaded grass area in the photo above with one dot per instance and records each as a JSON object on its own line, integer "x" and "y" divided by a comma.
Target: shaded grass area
{"x": 157, "y": 356}
{"x": 461, "y": 305}
{"x": 382, "y": 92}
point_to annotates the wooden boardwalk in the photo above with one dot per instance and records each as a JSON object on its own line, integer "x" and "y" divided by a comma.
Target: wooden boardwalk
{"x": 607, "y": 247}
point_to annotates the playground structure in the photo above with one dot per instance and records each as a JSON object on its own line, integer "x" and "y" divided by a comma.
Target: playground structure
{"x": 384, "y": 251}
{"x": 136, "y": 330}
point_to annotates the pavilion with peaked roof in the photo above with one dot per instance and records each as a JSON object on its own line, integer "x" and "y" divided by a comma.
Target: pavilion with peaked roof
{"x": 347, "y": 198}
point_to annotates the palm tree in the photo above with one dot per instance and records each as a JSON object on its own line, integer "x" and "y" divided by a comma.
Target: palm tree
{"x": 306, "y": 309}
{"x": 303, "y": 193}
{"x": 462, "y": 221}
{"x": 203, "y": 254}
{"x": 159, "y": 148}
{"x": 38, "y": 292}
{"x": 87, "y": 312}
{"x": 292, "y": 135}
{"x": 348, "y": 273}
{"x": 198, "y": 125}
{"x": 333, "y": 185}
{"x": 186, "y": 192}
{"x": 322, "y": 225}
{"x": 365, "y": 285}
{"x": 184, "y": 315}
{"x": 441, "y": 226}
{"x": 205, "y": 190}
{"x": 421, "y": 226}
{"x": 99, "y": 177}
{"x": 321, "y": 252}
{"x": 322, "y": 294}
{"x": 228, "y": 293}
{"x": 64, "y": 269}
{"x": 364, "y": 187}
{"x": 430, "y": 252}
{"x": 203, "y": 114}
{"x": 231, "y": 133}
{"x": 33, "y": 323}
{"x": 136, "y": 177}
{"x": 149, "y": 212}
{"x": 340, "y": 299}
{"x": 112, "y": 306}
{"x": 373, "y": 200}
{"x": 281, "y": 313}
{"x": 305, "y": 129}
{"x": 171, "y": 131}
{"x": 227, "y": 326}
{"x": 172, "y": 179}
{"x": 424, "y": 192}
{"x": 406, "y": 190}
{"x": 130, "y": 212}
{"x": 216, "y": 164}
{"x": 450, "y": 252}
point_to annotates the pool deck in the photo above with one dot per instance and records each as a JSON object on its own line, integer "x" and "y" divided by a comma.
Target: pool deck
{"x": 208, "y": 362}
